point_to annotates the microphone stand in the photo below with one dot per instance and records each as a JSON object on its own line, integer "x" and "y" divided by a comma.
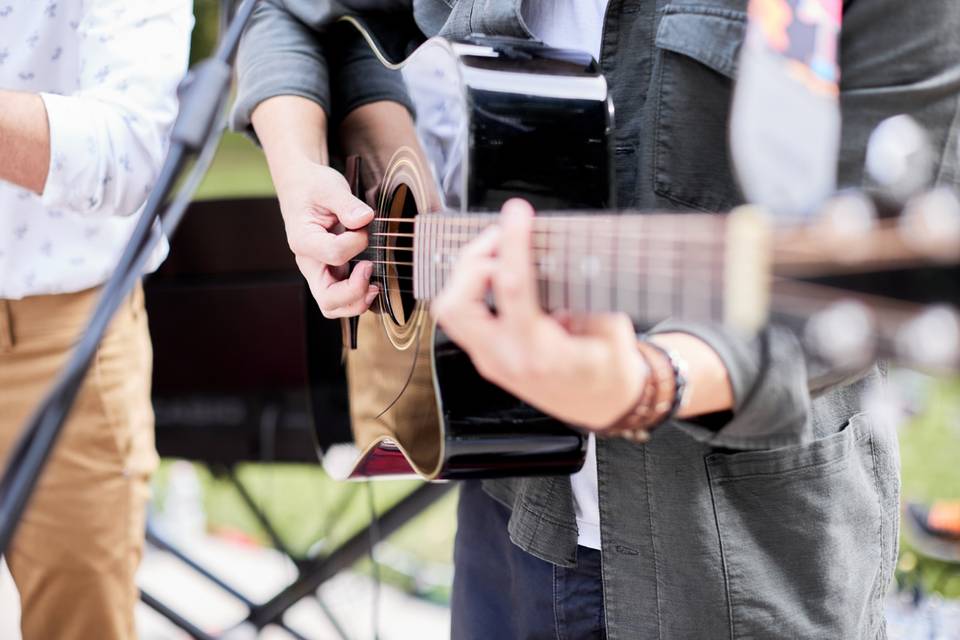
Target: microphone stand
{"x": 195, "y": 136}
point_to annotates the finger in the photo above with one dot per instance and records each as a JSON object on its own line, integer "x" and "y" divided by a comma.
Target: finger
{"x": 314, "y": 242}
{"x": 485, "y": 244}
{"x": 331, "y": 292}
{"x": 571, "y": 322}
{"x": 514, "y": 284}
{"x": 463, "y": 300}
{"x": 337, "y": 199}
{"x": 470, "y": 279}
{"x": 609, "y": 325}
{"x": 357, "y": 307}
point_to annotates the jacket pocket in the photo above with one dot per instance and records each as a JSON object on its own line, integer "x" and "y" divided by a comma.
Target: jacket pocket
{"x": 801, "y": 537}
{"x": 697, "y": 49}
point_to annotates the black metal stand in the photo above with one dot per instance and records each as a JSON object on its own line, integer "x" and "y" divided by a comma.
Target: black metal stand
{"x": 311, "y": 573}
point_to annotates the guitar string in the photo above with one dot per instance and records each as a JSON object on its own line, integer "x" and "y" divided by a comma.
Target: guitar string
{"x": 550, "y": 251}
{"x": 650, "y": 227}
{"x": 575, "y": 260}
{"x": 541, "y": 236}
{"x": 562, "y": 217}
{"x": 583, "y": 281}
{"x": 464, "y": 230}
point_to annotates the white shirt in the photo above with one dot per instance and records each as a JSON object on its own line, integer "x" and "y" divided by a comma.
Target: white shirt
{"x": 575, "y": 24}
{"x": 107, "y": 71}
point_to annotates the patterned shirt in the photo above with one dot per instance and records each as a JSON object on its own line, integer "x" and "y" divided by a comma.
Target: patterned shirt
{"x": 107, "y": 71}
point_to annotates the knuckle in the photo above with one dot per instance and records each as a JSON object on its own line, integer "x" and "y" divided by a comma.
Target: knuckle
{"x": 439, "y": 311}
{"x": 537, "y": 368}
{"x": 327, "y": 313}
{"x": 296, "y": 244}
{"x": 515, "y": 366}
{"x": 338, "y": 256}
{"x": 485, "y": 367}
{"x": 510, "y": 283}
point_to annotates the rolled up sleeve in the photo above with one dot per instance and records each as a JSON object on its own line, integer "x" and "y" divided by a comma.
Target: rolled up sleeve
{"x": 770, "y": 382}
{"x": 109, "y": 137}
{"x": 280, "y": 55}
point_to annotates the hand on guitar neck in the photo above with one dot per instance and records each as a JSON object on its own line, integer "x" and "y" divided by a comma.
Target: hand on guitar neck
{"x": 586, "y": 371}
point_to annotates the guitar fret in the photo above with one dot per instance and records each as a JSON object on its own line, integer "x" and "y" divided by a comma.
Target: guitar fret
{"x": 433, "y": 257}
{"x": 719, "y": 274}
{"x": 677, "y": 264}
{"x": 577, "y": 284}
{"x": 628, "y": 294}
{"x": 665, "y": 291}
{"x": 417, "y": 257}
{"x": 612, "y": 271}
{"x": 701, "y": 290}
{"x": 542, "y": 239}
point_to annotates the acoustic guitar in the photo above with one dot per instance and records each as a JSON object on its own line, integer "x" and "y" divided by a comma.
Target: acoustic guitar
{"x": 499, "y": 118}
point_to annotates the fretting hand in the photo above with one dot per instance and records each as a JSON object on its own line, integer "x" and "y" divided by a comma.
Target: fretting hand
{"x": 585, "y": 371}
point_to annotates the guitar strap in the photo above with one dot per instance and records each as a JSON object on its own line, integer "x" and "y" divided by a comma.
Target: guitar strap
{"x": 785, "y": 123}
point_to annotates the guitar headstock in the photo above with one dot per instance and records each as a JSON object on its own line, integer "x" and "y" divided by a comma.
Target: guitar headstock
{"x": 857, "y": 287}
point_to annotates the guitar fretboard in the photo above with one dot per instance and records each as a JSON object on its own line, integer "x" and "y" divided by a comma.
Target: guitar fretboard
{"x": 649, "y": 266}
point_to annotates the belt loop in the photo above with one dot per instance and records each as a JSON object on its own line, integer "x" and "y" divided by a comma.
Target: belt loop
{"x": 6, "y": 327}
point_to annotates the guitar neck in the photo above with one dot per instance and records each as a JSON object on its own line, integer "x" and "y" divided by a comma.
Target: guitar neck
{"x": 696, "y": 266}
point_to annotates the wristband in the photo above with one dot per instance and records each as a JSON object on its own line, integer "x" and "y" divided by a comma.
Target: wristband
{"x": 660, "y": 398}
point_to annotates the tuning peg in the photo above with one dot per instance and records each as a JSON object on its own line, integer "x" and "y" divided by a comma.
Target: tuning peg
{"x": 842, "y": 334}
{"x": 844, "y": 221}
{"x": 930, "y": 224}
{"x": 900, "y": 158}
{"x": 931, "y": 340}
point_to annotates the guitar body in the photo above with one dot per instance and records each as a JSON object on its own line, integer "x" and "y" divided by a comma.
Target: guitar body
{"x": 495, "y": 119}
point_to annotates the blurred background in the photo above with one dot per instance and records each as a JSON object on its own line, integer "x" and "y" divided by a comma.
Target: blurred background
{"x": 231, "y": 519}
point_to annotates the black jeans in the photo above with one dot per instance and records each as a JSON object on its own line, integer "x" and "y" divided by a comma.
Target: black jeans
{"x": 502, "y": 592}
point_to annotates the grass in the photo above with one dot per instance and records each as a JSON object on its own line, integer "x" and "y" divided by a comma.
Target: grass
{"x": 239, "y": 170}
{"x": 930, "y": 460}
{"x": 303, "y": 502}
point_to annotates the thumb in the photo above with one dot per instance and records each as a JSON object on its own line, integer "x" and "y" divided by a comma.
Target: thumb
{"x": 352, "y": 212}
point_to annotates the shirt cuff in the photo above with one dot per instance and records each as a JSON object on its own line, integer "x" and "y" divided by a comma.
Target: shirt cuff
{"x": 73, "y": 155}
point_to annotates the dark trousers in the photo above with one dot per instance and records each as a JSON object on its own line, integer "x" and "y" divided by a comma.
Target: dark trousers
{"x": 502, "y": 592}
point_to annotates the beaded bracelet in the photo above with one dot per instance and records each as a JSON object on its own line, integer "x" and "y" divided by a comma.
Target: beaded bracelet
{"x": 661, "y": 397}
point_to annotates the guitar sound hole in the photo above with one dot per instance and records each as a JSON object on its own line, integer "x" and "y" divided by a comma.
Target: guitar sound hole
{"x": 399, "y": 270}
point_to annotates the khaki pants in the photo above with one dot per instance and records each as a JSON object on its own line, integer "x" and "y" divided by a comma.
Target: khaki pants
{"x": 78, "y": 546}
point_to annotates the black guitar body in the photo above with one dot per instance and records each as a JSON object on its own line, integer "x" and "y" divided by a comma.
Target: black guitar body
{"x": 553, "y": 153}
{"x": 522, "y": 120}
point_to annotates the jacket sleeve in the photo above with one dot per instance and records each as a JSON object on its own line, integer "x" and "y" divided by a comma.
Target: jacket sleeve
{"x": 294, "y": 48}
{"x": 280, "y": 54}
{"x": 889, "y": 67}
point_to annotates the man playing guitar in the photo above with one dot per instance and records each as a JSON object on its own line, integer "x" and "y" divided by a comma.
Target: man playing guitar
{"x": 757, "y": 508}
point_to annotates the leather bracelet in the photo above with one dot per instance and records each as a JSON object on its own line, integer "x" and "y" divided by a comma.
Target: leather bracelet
{"x": 679, "y": 381}
{"x": 659, "y": 398}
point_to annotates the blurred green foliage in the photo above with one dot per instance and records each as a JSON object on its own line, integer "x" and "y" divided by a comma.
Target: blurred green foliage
{"x": 207, "y": 13}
